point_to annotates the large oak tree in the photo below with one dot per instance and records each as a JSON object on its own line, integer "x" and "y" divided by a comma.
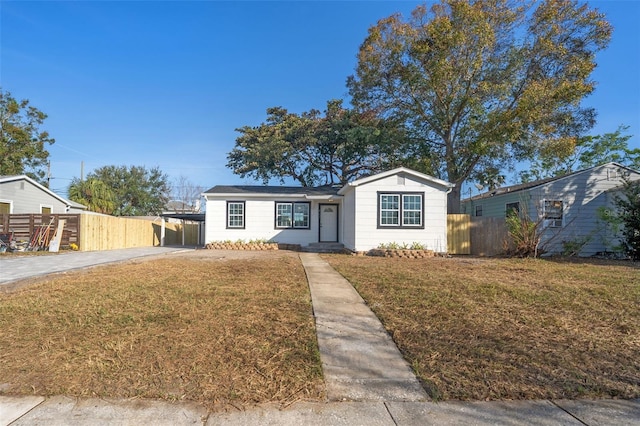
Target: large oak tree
{"x": 481, "y": 83}
{"x": 316, "y": 149}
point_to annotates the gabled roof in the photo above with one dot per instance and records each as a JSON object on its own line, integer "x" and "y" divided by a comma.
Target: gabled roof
{"x": 540, "y": 182}
{"x": 70, "y": 203}
{"x": 396, "y": 171}
{"x": 273, "y": 191}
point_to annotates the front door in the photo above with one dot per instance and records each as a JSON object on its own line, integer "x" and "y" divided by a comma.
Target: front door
{"x": 328, "y": 223}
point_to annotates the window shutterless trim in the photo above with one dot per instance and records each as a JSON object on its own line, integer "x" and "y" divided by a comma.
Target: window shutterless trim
{"x": 553, "y": 217}
{"x": 292, "y": 205}
{"x": 243, "y": 215}
{"x": 401, "y": 224}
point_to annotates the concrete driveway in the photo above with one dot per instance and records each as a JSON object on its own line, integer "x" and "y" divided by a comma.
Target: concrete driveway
{"x": 24, "y": 267}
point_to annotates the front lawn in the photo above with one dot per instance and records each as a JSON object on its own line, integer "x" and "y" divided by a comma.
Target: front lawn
{"x": 218, "y": 332}
{"x": 508, "y": 329}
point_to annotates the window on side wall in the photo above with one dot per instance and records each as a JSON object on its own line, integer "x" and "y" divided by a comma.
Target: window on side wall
{"x": 235, "y": 214}
{"x": 400, "y": 210}
{"x": 553, "y": 213}
{"x": 512, "y": 209}
{"x": 292, "y": 215}
{"x": 478, "y": 210}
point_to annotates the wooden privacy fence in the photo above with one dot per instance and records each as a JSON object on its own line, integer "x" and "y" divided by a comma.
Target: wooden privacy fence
{"x": 97, "y": 232}
{"x": 488, "y": 236}
{"x": 109, "y": 233}
{"x": 479, "y": 236}
{"x": 458, "y": 234}
{"x": 23, "y": 226}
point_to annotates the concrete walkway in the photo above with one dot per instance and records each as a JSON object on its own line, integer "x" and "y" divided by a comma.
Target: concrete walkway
{"x": 360, "y": 361}
{"x": 368, "y": 382}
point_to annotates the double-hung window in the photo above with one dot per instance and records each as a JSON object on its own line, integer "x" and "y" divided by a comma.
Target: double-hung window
{"x": 389, "y": 210}
{"x": 400, "y": 210}
{"x": 552, "y": 213}
{"x": 292, "y": 215}
{"x": 235, "y": 214}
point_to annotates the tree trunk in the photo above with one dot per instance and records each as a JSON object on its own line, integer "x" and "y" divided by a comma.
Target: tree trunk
{"x": 453, "y": 200}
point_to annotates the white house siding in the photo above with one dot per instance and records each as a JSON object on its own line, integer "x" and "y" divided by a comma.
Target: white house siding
{"x": 259, "y": 222}
{"x": 28, "y": 198}
{"x": 367, "y": 234}
{"x": 348, "y": 220}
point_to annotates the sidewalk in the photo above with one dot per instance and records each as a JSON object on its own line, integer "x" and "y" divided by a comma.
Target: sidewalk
{"x": 368, "y": 383}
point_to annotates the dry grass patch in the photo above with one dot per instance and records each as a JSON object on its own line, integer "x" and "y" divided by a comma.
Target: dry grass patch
{"x": 221, "y": 333}
{"x": 508, "y": 329}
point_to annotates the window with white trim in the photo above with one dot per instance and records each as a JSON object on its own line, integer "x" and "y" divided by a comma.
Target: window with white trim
{"x": 389, "y": 210}
{"x": 292, "y": 215}
{"x": 553, "y": 213}
{"x": 400, "y": 210}
{"x": 235, "y": 214}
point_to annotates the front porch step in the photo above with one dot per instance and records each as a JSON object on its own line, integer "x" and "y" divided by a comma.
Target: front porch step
{"x": 324, "y": 248}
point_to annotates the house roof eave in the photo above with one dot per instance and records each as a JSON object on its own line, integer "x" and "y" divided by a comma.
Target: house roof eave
{"x": 396, "y": 171}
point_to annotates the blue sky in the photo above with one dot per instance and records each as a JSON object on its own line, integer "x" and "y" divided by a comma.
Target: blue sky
{"x": 164, "y": 83}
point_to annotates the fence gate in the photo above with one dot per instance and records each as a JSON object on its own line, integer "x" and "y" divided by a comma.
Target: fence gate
{"x": 459, "y": 234}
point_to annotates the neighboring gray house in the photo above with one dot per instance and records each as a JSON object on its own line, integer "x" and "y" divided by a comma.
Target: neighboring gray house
{"x": 400, "y": 205}
{"x": 21, "y": 194}
{"x": 570, "y": 207}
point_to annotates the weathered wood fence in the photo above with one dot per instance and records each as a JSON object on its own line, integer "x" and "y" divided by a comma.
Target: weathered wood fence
{"x": 98, "y": 232}
{"x": 22, "y": 226}
{"x": 479, "y": 236}
{"x": 489, "y": 236}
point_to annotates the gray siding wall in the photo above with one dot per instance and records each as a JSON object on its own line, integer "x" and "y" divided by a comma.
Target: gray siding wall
{"x": 28, "y": 198}
{"x": 584, "y": 196}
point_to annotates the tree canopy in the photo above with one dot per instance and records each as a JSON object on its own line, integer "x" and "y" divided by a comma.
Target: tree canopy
{"x": 136, "y": 190}
{"x": 482, "y": 83}
{"x": 93, "y": 193}
{"x": 314, "y": 149}
{"x": 22, "y": 142}
{"x": 553, "y": 158}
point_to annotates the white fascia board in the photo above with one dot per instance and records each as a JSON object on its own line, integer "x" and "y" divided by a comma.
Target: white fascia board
{"x": 396, "y": 171}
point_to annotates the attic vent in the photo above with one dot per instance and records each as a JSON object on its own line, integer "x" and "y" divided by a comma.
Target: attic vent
{"x": 400, "y": 180}
{"x": 21, "y": 185}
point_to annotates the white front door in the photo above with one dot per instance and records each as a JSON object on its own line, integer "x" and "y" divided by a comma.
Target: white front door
{"x": 328, "y": 223}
